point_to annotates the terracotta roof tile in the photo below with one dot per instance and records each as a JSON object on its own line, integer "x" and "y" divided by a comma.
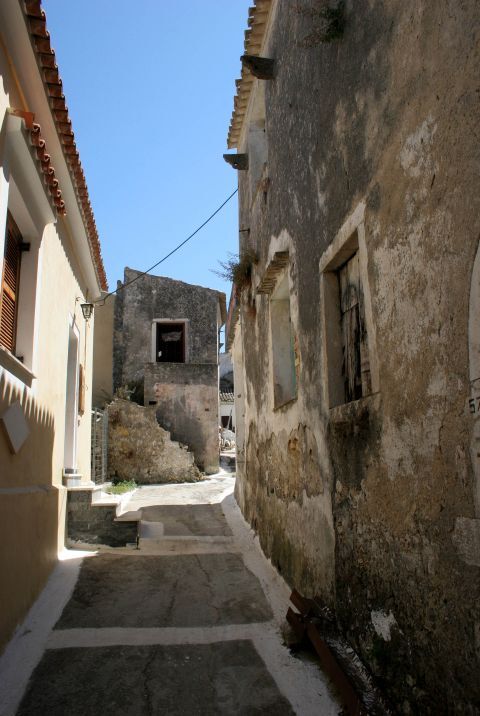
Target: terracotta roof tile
{"x": 42, "y": 159}
{"x": 40, "y": 37}
{"x": 254, "y": 35}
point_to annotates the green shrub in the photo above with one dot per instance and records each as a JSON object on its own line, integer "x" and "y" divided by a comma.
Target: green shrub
{"x": 119, "y": 488}
{"x": 238, "y": 268}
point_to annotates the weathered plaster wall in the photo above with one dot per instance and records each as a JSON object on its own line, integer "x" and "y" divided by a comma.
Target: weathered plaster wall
{"x": 186, "y": 403}
{"x": 158, "y": 297}
{"x": 359, "y": 504}
{"x": 186, "y": 394}
{"x": 239, "y": 408}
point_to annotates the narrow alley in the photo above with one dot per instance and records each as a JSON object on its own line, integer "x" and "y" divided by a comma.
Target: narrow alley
{"x": 190, "y": 623}
{"x": 250, "y": 242}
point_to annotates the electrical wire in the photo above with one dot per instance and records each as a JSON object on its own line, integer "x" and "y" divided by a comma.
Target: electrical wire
{"x": 101, "y": 301}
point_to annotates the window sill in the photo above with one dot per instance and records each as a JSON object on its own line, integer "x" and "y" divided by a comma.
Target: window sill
{"x": 356, "y": 410}
{"x": 15, "y": 367}
{"x": 285, "y": 405}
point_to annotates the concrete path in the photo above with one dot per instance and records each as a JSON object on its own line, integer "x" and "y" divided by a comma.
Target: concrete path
{"x": 191, "y": 623}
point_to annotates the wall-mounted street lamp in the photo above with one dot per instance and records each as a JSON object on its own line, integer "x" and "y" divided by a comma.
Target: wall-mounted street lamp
{"x": 87, "y": 310}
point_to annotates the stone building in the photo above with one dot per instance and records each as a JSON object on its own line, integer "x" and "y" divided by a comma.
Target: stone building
{"x": 356, "y": 339}
{"x": 165, "y": 345}
{"x": 50, "y": 265}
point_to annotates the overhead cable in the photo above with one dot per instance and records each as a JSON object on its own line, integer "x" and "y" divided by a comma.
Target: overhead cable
{"x": 102, "y": 300}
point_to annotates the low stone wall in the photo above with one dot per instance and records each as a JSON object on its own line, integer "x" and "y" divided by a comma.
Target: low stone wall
{"x": 139, "y": 449}
{"x": 95, "y": 524}
{"x": 185, "y": 396}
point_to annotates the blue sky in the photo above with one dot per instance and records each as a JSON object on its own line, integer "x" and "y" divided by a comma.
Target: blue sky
{"x": 149, "y": 86}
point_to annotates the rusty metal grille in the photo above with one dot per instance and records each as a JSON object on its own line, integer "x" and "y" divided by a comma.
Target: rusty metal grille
{"x": 99, "y": 445}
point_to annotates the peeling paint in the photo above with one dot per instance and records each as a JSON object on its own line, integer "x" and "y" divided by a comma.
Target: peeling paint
{"x": 383, "y": 624}
{"x": 415, "y": 156}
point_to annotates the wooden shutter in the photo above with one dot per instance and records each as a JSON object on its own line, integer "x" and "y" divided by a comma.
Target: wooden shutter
{"x": 356, "y": 365}
{"x": 10, "y": 285}
{"x": 81, "y": 389}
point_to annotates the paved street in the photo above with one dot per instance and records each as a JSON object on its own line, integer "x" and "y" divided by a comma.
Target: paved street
{"x": 191, "y": 623}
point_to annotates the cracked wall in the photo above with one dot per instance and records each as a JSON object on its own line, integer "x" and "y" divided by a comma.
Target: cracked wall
{"x": 370, "y": 505}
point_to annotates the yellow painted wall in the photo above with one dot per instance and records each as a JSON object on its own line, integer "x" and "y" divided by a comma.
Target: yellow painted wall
{"x": 103, "y": 353}
{"x": 32, "y": 498}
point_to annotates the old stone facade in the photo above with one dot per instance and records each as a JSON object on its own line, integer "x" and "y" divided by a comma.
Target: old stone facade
{"x": 355, "y": 344}
{"x": 165, "y": 345}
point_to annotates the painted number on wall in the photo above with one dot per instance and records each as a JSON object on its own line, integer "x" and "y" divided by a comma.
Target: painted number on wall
{"x": 474, "y": 405}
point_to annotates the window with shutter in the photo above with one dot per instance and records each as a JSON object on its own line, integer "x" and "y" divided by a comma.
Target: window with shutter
{"x": 350, "y": 366}
{"x": 10, "y": 285}
{"x": 356, "y": 365}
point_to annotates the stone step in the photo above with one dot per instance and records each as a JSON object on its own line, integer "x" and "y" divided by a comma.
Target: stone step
{"x": 129, "y": 516}
{"x": 171, "y": 545}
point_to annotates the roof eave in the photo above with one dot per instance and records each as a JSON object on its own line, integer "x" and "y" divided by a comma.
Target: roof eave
{"x": 258, "y": 20}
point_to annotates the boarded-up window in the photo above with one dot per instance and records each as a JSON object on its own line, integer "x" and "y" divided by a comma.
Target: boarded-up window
{"x": 170, "y": 343}
{"x": 10, "y": 285}
{"x": 283, "y": 345}
{"x": 355, "y": 364}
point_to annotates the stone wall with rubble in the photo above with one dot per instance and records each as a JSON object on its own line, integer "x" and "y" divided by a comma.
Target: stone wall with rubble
{"x": 185, "y": 397}
{"x": 139, "y": 449}
{"x": 185, "y": 393}
{"x": 371, "y": 504}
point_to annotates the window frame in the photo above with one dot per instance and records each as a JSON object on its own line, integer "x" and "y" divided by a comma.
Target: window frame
{"x": 12, "y": 232}
{"x": 350, "y": 240}
{"x": 22, "y": 192}
{"x": 277, "y": 297}
{"x": 155, "y": 322}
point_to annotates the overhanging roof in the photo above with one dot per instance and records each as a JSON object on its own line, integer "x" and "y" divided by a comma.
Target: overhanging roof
{"x": 45, "y": 55}
{"x": 254, "y": 35}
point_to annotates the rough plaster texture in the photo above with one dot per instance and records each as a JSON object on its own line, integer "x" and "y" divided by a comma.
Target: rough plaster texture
{"x": 139, "y": 449}
{"x": 368, "y": 516}
{"x": 186, "y": 403}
